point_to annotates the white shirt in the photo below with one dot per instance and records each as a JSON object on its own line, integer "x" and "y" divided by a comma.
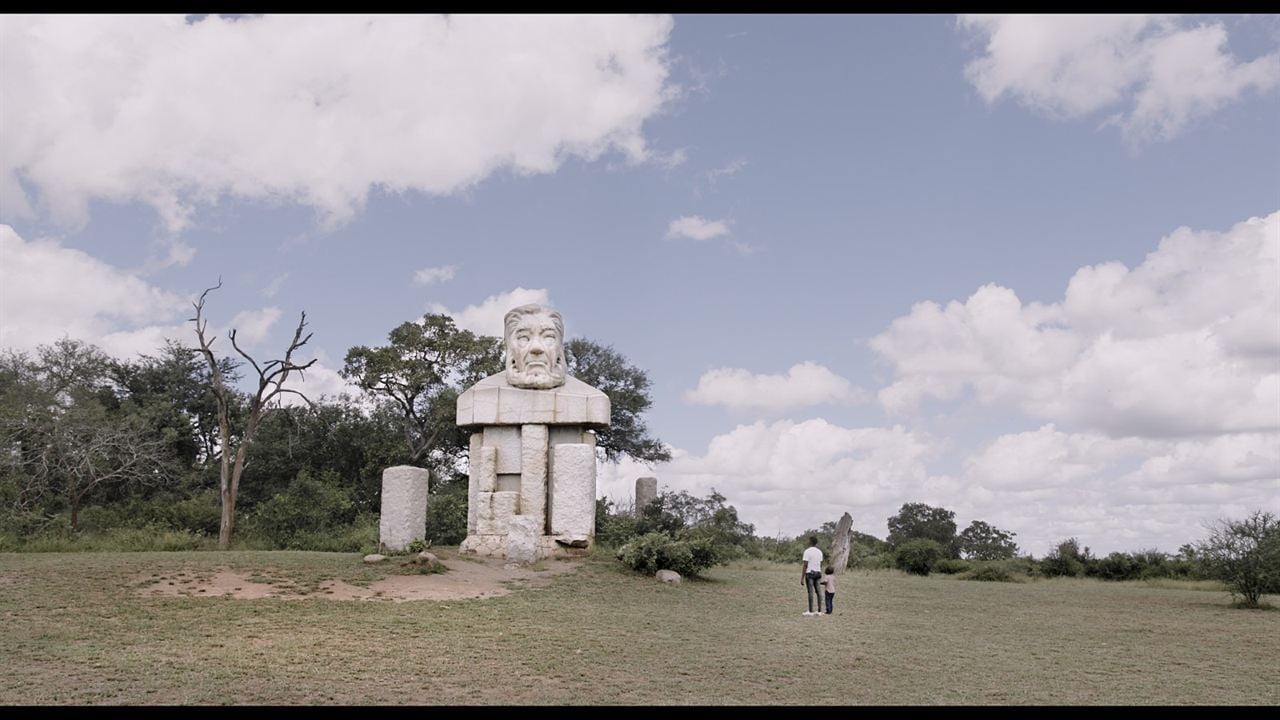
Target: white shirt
{"x": 813, "y": 556}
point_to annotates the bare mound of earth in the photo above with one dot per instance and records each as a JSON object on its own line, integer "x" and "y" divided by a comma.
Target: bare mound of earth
{"x": 469, "y": 578}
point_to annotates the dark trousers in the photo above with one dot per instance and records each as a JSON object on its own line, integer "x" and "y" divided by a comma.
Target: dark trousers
{"x": 830, "y": 597}
{"x": 813, "y": 590}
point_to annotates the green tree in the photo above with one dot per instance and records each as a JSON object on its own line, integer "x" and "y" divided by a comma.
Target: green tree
{"x": 421, "y": 371}
{"x": 1067, "y": 560}
{"x": 918, "y": 556}
{"x": 1244, "y": 554}
{"x": 917, "y": 520}
{"x": 981, "y": 541}
{"x": 627, "y": 386}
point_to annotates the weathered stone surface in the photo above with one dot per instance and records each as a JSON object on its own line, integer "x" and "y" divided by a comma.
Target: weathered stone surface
{"x": 523, "y": 532}
{"x": 561, "y": 434}
{"x": 426, "y": 558}
{"x": 668, "y": 576}
{"x": 473, "y": 480}
{"x": 493, "y": 401}
{"x": 533, "y": 473}
{"x": 506, "y": 438}
{"x": 840, "y": 545}
{"x": 495, "y": 512}
{"x": 484, "y": 467}
{"x": 404, "y": 507}
{"x": 374, "y": 558}
{"x": 573, "y": 490}
{"x": 646, "y": 492}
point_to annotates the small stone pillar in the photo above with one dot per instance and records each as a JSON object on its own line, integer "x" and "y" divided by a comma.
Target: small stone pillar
{"x": 646, "y": 492}
{"x": 404, "y": 507}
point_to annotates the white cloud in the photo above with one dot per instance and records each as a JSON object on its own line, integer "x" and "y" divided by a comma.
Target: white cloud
{"x": 321, "y": 381}
{"x": 273, "y": 287}
{"x": 432, "y": 275}
{"x": 804, "y": 384}
{"x": 1187, "y": 343}
{"x": 732, "y": 168}
{"x": 697, "y": 228}
{"x": 252, "y": 326}
{"x": 486, "y": 318}
{"x": 1162, "y": 73}
{"x": 318, "y": 110}
{"x": 48, "y": 291}
{"x": 792, "y": 476}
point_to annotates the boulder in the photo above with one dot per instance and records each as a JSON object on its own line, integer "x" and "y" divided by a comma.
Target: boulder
{"x": 668, "y": 576}
{"x": 374, "y": 558}
{"x": 426, "y": 558}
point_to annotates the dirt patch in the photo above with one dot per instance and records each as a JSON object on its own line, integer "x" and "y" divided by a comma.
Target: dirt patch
{"x": 471, "y": 578}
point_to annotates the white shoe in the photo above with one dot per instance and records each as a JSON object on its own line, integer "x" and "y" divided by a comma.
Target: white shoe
{"x": 808, "y": 614}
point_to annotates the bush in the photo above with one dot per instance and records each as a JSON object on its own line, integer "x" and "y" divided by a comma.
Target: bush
{"x": 656, "y": 551}
{"x": 918, "y": 556}
{"x": 1245, "y": 554}
{"x": 1066, "y": 560}
{"x": 447, "y": 518}
{"x": 951, "y": 566}
{"x": 994, "y": 571}
{"x": 306, "y": 508}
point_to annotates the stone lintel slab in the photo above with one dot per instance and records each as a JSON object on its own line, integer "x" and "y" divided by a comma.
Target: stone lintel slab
{"x": 493, "y": 401}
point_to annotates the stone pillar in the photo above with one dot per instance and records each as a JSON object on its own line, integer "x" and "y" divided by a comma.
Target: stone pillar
{"x": 573, "y": 490}
{"x": 473, "y": 481}
{"x": 533, "y": 473}
{"x": 840, "y": 546}
{"x": 646, "y": 492}
{"x": 404, "y": 507}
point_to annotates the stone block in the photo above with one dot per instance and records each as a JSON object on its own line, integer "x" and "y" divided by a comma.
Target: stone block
{"x": 573, "y": 490}
{"x": 598, "y": 409}
{"x": 668, "y": 576}
{"x": 484, "y": 405}
{"x": 506, "y": 438}
{"x": 561, "y": 434}
{"x": 496, "y": 511}
{"x": 403, "y": 517}
{"x": 523, "y": 532}
{"x": 571, "y": 408}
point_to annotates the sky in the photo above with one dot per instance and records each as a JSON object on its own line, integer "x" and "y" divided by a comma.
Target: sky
{"x": 1024, "y": 268}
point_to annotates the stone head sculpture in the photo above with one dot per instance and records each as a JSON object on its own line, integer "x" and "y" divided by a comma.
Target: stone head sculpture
{"x": 535, "y": 347}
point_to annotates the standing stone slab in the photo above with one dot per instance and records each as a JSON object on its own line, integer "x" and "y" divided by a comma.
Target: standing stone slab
{"x": 523, "y": 532}
{"x": 533, "y": 473}
{"x": 840, "y": 546}
{"x": 404, "y": 507}
{"x": 646, "y": 492}
{"x": 473, "y": 481}
{"x": 573, "y": 490}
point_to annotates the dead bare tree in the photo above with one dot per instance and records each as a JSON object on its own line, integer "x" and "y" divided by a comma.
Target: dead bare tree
{"x": 271, "y": 379}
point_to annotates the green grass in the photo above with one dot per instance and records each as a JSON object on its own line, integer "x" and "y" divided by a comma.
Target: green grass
{"x": 76, "y": 631}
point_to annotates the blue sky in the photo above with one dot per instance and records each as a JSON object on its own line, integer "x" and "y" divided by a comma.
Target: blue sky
{"x": 752, "y": 208}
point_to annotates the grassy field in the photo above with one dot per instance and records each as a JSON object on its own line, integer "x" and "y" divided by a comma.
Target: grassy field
{"x": 76, "y": 630}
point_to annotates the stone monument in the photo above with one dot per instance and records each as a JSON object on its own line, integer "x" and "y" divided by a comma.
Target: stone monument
{"x": 533, "y": 447}
{"x": 646, "y": 492}
{"x": 404, "y": 507}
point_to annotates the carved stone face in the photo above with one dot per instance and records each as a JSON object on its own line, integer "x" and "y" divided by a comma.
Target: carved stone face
{"x": 535, "y": 348}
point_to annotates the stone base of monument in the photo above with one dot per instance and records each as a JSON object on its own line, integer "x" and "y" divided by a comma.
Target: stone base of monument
{"x": 548, "y": 546}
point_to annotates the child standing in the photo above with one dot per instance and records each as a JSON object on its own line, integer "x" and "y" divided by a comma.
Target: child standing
{"x": 829, "y": 583}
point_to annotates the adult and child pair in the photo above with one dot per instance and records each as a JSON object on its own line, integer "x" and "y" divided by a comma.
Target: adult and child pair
{"x": 812, "y": 574}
